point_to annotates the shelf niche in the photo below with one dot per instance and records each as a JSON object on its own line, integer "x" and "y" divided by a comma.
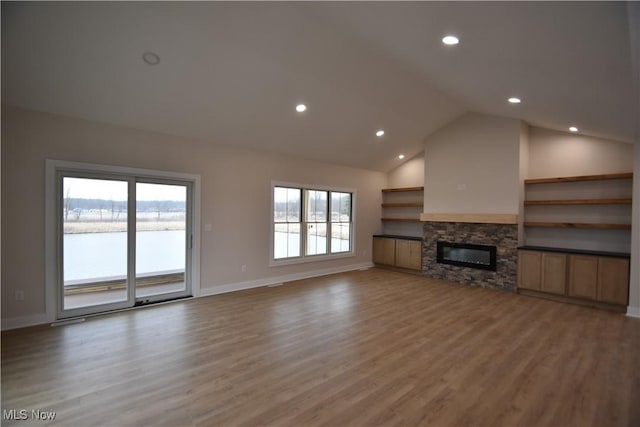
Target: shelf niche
{"x": 581, "y": 212}
{"x": 401, "y": 208}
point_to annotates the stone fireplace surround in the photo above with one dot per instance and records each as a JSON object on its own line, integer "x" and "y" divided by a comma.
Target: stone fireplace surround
{"x": 503, "y": 236}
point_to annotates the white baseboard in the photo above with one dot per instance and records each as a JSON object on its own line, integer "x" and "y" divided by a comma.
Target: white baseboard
{"x": 633, "y": 311}
{"x": 41, "y": 318}
{"x": 24, "y": 321}
{"x": 238, "y": 286}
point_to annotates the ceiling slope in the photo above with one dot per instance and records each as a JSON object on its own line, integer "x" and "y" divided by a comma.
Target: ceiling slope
{"x": 232, "y": 73}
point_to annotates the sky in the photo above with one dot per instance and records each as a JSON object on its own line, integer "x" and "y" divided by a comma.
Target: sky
{"x": 84, "y": 188}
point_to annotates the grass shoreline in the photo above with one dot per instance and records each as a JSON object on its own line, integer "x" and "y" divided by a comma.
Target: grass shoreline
{"x": 115, "y": 227}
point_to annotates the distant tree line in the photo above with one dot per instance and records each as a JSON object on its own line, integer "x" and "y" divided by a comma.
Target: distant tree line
{"x": 73, "y": 207}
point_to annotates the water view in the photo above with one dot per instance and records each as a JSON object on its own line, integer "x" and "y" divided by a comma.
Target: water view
{"x": 90, "y": 256}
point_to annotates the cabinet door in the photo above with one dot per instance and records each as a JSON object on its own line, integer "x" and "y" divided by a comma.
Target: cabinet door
{"x": 583, "y": 276}
{"x": 409, "y": 254}
{"x": 613, "y": 280}
{"x": 554, "y": 273}
{"x": 529, "y": 269}
{"x": 384, "y": 251}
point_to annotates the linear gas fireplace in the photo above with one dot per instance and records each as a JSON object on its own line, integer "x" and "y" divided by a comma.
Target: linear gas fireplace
{"x": 503, "y": 258}
{"x": 482, "y": 257}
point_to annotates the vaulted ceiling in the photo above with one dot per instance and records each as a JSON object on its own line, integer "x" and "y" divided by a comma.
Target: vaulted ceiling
{"x": 232, "y": 73}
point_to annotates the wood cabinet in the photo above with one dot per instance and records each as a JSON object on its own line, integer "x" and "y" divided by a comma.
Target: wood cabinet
{"x": 542, "y": 271}
{"x": 583, "y": 276}
{"x": 384, "y": 251}
{"x": 529, "y": 269}
{"x": 603, "y": 279}
{"x": 397, "y": 252}
{"x": 409, "y": 254}
{"x": 554, "y": 273}
{"x": 613, "y": 280}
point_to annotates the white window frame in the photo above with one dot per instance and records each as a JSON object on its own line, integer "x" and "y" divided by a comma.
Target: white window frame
{"x": 302, "y": 259}
{"x": 51, "y": 220}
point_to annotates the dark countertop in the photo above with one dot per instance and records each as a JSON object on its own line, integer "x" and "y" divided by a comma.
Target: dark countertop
{"x": 576, "y": 251}
{"x": 394, "y": 236}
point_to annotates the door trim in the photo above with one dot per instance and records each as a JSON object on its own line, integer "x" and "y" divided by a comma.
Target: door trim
{"x": 187, "y": 292}
{"x": 52, "y": 243}
{"x": 61, "y": 312}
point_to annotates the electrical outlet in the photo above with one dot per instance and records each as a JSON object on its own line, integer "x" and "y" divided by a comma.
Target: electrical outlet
{"x": 20, "y": 295}
{"x": 462, "y": 187}
{"x": 243, "y": 268}
{"x": 208, "y": 227}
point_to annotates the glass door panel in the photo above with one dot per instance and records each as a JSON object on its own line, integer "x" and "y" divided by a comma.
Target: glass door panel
{"x": 162, "y": 235}
{"x": 94, "y": 244}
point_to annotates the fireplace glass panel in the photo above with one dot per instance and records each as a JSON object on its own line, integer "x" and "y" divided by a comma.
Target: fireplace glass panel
{"x": 473, "y": 256}
{"x": 467, "y": 255}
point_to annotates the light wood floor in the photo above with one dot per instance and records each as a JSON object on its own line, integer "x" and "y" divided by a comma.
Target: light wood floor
{"x": 363, "y": 348}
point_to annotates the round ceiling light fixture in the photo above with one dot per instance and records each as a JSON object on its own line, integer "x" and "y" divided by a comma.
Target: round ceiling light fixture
{"x": 380, "y": 133}
{"x": 151, "y": 58}
{"x": 573, "y": 129}
{"x": 450, "y": 40}
{"x": 514, "y": 100}
{"x": 401, "y": 156}
{"x": 301, "y": 108}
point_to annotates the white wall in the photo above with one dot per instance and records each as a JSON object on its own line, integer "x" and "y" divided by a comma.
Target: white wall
{"x": 472, "y": 166}
{"x": 524, "y": 172}
{"x": 554, "y": 153}
{"x": 408, "y": 174}
{"x": 235, "y": 199}
{"x": 634, "y": 35}
{"x": 634, "y": 289}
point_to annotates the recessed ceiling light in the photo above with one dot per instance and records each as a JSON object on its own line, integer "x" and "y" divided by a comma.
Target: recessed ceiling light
{"x": 515, "y": 100}
{"x": 151, "y": 58}
{"x": 380, "y": 133}
{"x": 573, "y": 129}
{"x": 401, "y": 156}
{"x": 450, "y": 40}
{"x": 300, "y": 108}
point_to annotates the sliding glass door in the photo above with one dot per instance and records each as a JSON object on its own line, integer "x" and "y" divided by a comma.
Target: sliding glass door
{"x": 94, "y": 243}
{"x": 123, "y": 240}
{"x": 161, "y": 240}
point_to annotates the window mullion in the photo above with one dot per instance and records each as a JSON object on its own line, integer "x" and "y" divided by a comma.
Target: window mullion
{"x": 328, "y": 219}
{"x": 303, "y": 222}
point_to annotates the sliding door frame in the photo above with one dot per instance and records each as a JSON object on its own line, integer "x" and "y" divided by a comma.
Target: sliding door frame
{"x": 188, "y": 244}
{"x": 53, "y": 244}
{"x": 61, "y": 312}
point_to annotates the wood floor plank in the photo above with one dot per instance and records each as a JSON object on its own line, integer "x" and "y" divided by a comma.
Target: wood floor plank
{"x": 363, "y": 348}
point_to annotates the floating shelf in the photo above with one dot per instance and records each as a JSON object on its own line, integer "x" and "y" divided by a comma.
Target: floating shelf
{"x": 401, "y": 205}
{"x": 400, "y": 219}
{"x": 405, "y": 189}
{"x": 582, "y": 225}
{"x": 625, "y": 175}
{"x": 578, "y": 202}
